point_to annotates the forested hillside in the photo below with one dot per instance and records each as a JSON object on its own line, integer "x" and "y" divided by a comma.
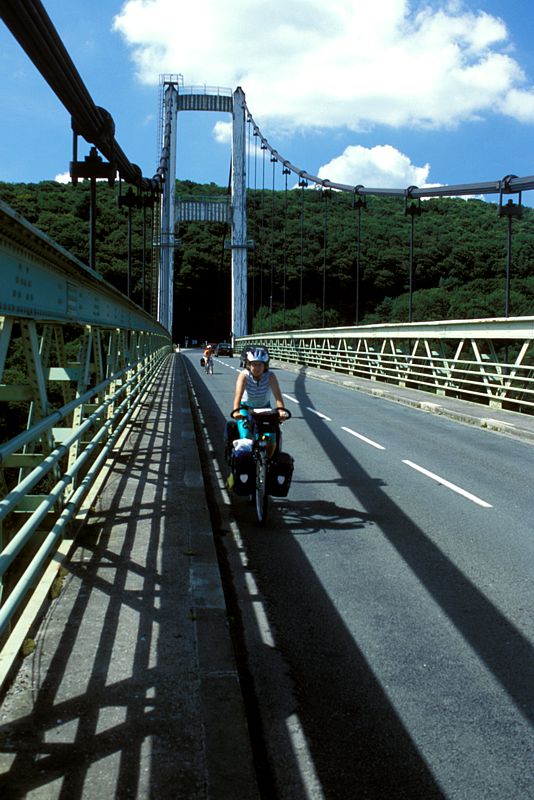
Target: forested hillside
{"x": 306, "y": 242}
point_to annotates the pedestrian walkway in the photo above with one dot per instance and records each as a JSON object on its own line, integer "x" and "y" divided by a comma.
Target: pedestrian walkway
{"x": 132, "y": 689}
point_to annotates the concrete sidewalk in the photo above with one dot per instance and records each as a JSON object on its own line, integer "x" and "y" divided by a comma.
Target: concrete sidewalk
{"x": 132, "y": 690}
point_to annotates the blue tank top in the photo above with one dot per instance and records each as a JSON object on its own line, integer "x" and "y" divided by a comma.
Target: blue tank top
{"x": 257, "y": 393}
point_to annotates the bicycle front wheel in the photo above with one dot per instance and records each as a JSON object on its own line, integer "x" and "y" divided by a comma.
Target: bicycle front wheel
{"x": 261, "y": 496}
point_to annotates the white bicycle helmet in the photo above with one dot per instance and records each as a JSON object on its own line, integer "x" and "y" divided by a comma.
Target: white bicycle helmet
{"x": 258, "y": 354}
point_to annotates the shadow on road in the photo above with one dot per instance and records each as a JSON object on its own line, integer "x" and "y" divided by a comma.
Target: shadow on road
{"x": 359, "y": 744}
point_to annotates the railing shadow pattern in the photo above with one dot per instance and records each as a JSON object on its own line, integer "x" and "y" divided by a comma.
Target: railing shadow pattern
{"x": 103, "y": 709}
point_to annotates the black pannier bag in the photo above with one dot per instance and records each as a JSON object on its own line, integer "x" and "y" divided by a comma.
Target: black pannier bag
{"x": 279, "y": 475}
{"x": 244, "y": 472}
{"x": 231, "y": 432}
{"x": 202, "y": 362}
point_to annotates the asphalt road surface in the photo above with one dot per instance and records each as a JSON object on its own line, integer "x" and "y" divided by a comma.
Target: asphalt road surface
{"x": 388, "y": 604}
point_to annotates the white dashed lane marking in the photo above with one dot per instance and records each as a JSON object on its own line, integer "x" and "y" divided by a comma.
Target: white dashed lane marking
{"x": 448, "y": 484}
{"x": 318, "y": 414}
{"x": 363, "y": 438}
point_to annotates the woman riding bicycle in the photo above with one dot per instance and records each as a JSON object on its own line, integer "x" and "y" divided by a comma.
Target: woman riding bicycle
{"x": 253, "y": 389}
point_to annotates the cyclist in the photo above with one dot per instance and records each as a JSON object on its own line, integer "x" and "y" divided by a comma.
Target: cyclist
{"x": 208, "y": 358}
{"x": 253, "y": 388}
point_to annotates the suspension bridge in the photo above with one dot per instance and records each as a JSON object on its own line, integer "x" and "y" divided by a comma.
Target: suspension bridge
{"x": 377, "y": 639}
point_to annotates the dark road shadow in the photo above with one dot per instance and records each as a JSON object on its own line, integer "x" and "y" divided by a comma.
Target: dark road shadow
{"x": 359, "y": 745}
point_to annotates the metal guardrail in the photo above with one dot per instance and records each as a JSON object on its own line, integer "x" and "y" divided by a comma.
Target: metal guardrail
{"x": 490, "y": 361}
{"x": 76, "y": 360}
{"x": 208, "y": 90}
{"x": 202, "y": 208}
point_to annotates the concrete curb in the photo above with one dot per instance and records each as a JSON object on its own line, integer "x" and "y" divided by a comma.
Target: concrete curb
{"x": 230, "y": 743}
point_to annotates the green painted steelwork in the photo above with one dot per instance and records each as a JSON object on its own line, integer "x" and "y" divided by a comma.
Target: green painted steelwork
{"x": 42, "y": 281}
{"x": 76, "y": 359}
{"x": 489, "y": 361}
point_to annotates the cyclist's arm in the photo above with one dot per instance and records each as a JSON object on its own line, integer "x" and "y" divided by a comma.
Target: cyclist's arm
{"x": 239, "y": 389}
{"x": 275, "y": 388}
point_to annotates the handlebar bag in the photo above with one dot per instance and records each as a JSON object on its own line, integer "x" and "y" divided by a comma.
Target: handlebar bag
{"x": 266, "y": 420}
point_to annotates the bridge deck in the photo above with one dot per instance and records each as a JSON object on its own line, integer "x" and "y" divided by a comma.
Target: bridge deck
{"x": 132, "y": 689}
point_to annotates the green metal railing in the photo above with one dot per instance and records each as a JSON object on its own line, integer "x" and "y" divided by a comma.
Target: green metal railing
{"x": 489, "y": 361}
{"x": 76, "y": 360}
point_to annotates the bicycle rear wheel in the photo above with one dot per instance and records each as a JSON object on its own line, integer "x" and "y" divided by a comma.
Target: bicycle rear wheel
{"x": 261, "y": 497}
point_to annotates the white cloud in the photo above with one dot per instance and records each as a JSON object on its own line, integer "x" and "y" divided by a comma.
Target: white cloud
{"x": 222, "y": 132}
{"x": 380, "y": 167}
{"x": 376, "y": 167}
{"x": 519, "y": 104}
{"x": 351, "y": 63}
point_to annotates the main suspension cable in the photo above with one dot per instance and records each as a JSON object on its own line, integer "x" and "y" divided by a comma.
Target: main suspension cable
{"x": 510, "y": 184}
{"x": 32, "y": 28}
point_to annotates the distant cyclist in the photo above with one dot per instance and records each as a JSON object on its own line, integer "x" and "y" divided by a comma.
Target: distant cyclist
{"x": 254, "y": 387}
{"x": 208, "y": 359}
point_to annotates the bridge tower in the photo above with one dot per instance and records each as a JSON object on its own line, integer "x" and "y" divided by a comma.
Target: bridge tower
{"x": 166, "y": 260}
{"x": 178, "y": 98}
{"x": 239, "y": 217}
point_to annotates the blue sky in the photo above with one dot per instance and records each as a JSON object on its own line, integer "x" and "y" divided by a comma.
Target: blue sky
{"x": 389, "y": 93}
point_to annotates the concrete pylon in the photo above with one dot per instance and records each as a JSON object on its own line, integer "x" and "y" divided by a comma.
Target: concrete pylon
{"x": 168, "y": 201}
{"x": 239, "y": 217}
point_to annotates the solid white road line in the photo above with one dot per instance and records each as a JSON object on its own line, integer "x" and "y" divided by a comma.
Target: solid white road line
{"x": 363, "y": 438}
{"x": 448, "y": 484}
{"x": 310, "y": 780}
{"x": 263, "y": 623}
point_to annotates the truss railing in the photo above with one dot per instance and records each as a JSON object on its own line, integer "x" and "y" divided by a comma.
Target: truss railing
{"x": 76, "y": 361}
{"x": 208, "y": 90}
{"x": 490, "y": 361}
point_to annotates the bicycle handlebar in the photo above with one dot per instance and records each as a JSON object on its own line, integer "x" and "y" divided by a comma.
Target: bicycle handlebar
{"x": 286, "y": 411}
